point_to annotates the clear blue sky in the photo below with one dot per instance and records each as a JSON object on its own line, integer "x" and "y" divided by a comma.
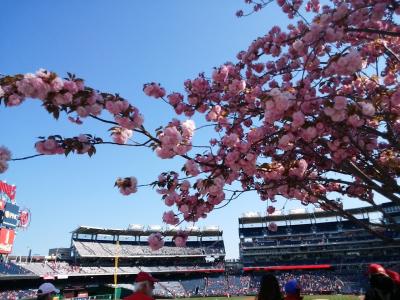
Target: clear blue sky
{"x": 117, "y": 46}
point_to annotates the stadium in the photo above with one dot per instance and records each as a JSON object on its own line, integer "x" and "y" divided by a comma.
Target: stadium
{"x": 327, "y": 254}
{"x": 118, "y": 115}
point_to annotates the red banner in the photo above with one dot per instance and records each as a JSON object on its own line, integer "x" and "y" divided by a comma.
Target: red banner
{"x": 282, "y": 268}
{"x": 6, "y": 240}
{"x": 8, "y": 189}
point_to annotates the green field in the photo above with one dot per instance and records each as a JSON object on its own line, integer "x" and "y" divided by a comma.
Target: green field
{"x": 321, "y": 297}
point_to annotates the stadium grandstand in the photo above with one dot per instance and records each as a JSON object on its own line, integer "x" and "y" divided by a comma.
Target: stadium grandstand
{"x": 93, "y": 252}
{"x": 319, "y": 244}
{"x": 327, "y": 254}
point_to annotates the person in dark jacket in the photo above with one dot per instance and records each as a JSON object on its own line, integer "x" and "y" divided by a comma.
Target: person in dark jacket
{"x": 269, "y": 288}
{"x": 382, "y": 286}
{"x": 396, "y": 280}
{"x": 144, "y": 286}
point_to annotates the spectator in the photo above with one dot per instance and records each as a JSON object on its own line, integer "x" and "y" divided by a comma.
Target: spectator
{"x": 293, "y": 290}
{"x": 381, "y": 285}
{"x": 144, "y": 286}
{"x": 47, "y": 291}
{"x": 269, "y": 288}
{"x": 396, "y": 280}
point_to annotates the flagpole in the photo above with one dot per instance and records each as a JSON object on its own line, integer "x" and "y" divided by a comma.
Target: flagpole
{"x": 116, "y": 270}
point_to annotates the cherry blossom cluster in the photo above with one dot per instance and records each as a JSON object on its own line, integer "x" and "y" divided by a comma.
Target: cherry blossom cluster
{"x": 180, "y": 239}
{"x": 120, "y": 135}
{"x": 192, "y": 204}
{"x": 299, "y": 107}
{"x": 127, "y": 185}
{"x": 82, "y": 144}
{"x": 69, "y": 95}
{"x": 5, "y": 156}
{"x": 175, "y": 139}
{"x": 156, "y": 241}
{"x": 154, "y": 90}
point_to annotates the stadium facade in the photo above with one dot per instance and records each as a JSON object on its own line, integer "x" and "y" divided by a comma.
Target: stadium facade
{"x": 316, "y": 247}
{"x": 204, "y": 250}
{"x": 318, "y": 239}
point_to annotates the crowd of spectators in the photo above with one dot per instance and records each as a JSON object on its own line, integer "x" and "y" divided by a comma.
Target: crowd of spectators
{"x": 18, "y": 294}
{"x": 9, "y": 269}
{"x": 317, "y": 282}
{"x": 53, "y": 268}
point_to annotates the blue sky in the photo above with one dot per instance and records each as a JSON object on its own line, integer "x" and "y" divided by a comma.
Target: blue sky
{"x": 117, "y": 46}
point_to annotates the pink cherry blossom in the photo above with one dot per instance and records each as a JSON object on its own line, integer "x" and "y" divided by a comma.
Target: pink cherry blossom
{"x": 121, "y": 135}
{"x": 270, "y": 209}
{"x": 237, "y": 86}
{"x": 180, "y": 239}
{"x": 169, "y": 217}
{"x": 127, "y": 185}
{"x": 272, "y": 227}
{"x": 175, "y": 98}
{"x": 154, "y": 90}
{"x": 367, "y": 109}
{"x": 33, "y": 86}
{"x": 231, "y": 140}
{"x": 3, "y": 166}
{"x": 175, "y": 139}
{"x": 220, "y": 75}
{"x": 192, "y": 168}
{"x": 156, "y": 241}
{"x": 299, "y": 169}
{"x": 5, "y": 156}
{"x": 298, "y": 119}
{"x": 49, "y": 147}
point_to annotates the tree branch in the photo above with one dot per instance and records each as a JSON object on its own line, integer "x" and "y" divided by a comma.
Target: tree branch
{"x": 26, "y": 157}
{"x": 370, "y": 30}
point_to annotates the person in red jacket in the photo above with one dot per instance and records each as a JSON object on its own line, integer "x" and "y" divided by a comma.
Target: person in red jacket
{"x": 144, "y": 286}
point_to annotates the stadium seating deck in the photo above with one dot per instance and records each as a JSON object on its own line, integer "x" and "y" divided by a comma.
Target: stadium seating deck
{"x": 99, "y": 249}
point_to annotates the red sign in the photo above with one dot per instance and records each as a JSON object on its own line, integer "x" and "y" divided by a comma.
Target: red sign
{"x": 6, "y": 240}
{"x": 282, "y": 268}
{"x": 8, "y": 189}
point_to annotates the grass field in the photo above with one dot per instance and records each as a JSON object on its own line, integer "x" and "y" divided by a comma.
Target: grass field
{"x": 314, "y": 297}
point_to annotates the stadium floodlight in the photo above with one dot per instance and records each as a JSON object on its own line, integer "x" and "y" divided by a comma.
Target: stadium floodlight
{"x": 277, "y": 213}
{"x": 91, "y": 227}
{"x": 155, "y": 228}
{"x": 136, "y": 227}
{"x": 173, "y": 228}
{"x": 192, "y": 229}
{"x": 211, "y": 228}
{"x": 297, "y": 211}
{"x": 251, "y": 214}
